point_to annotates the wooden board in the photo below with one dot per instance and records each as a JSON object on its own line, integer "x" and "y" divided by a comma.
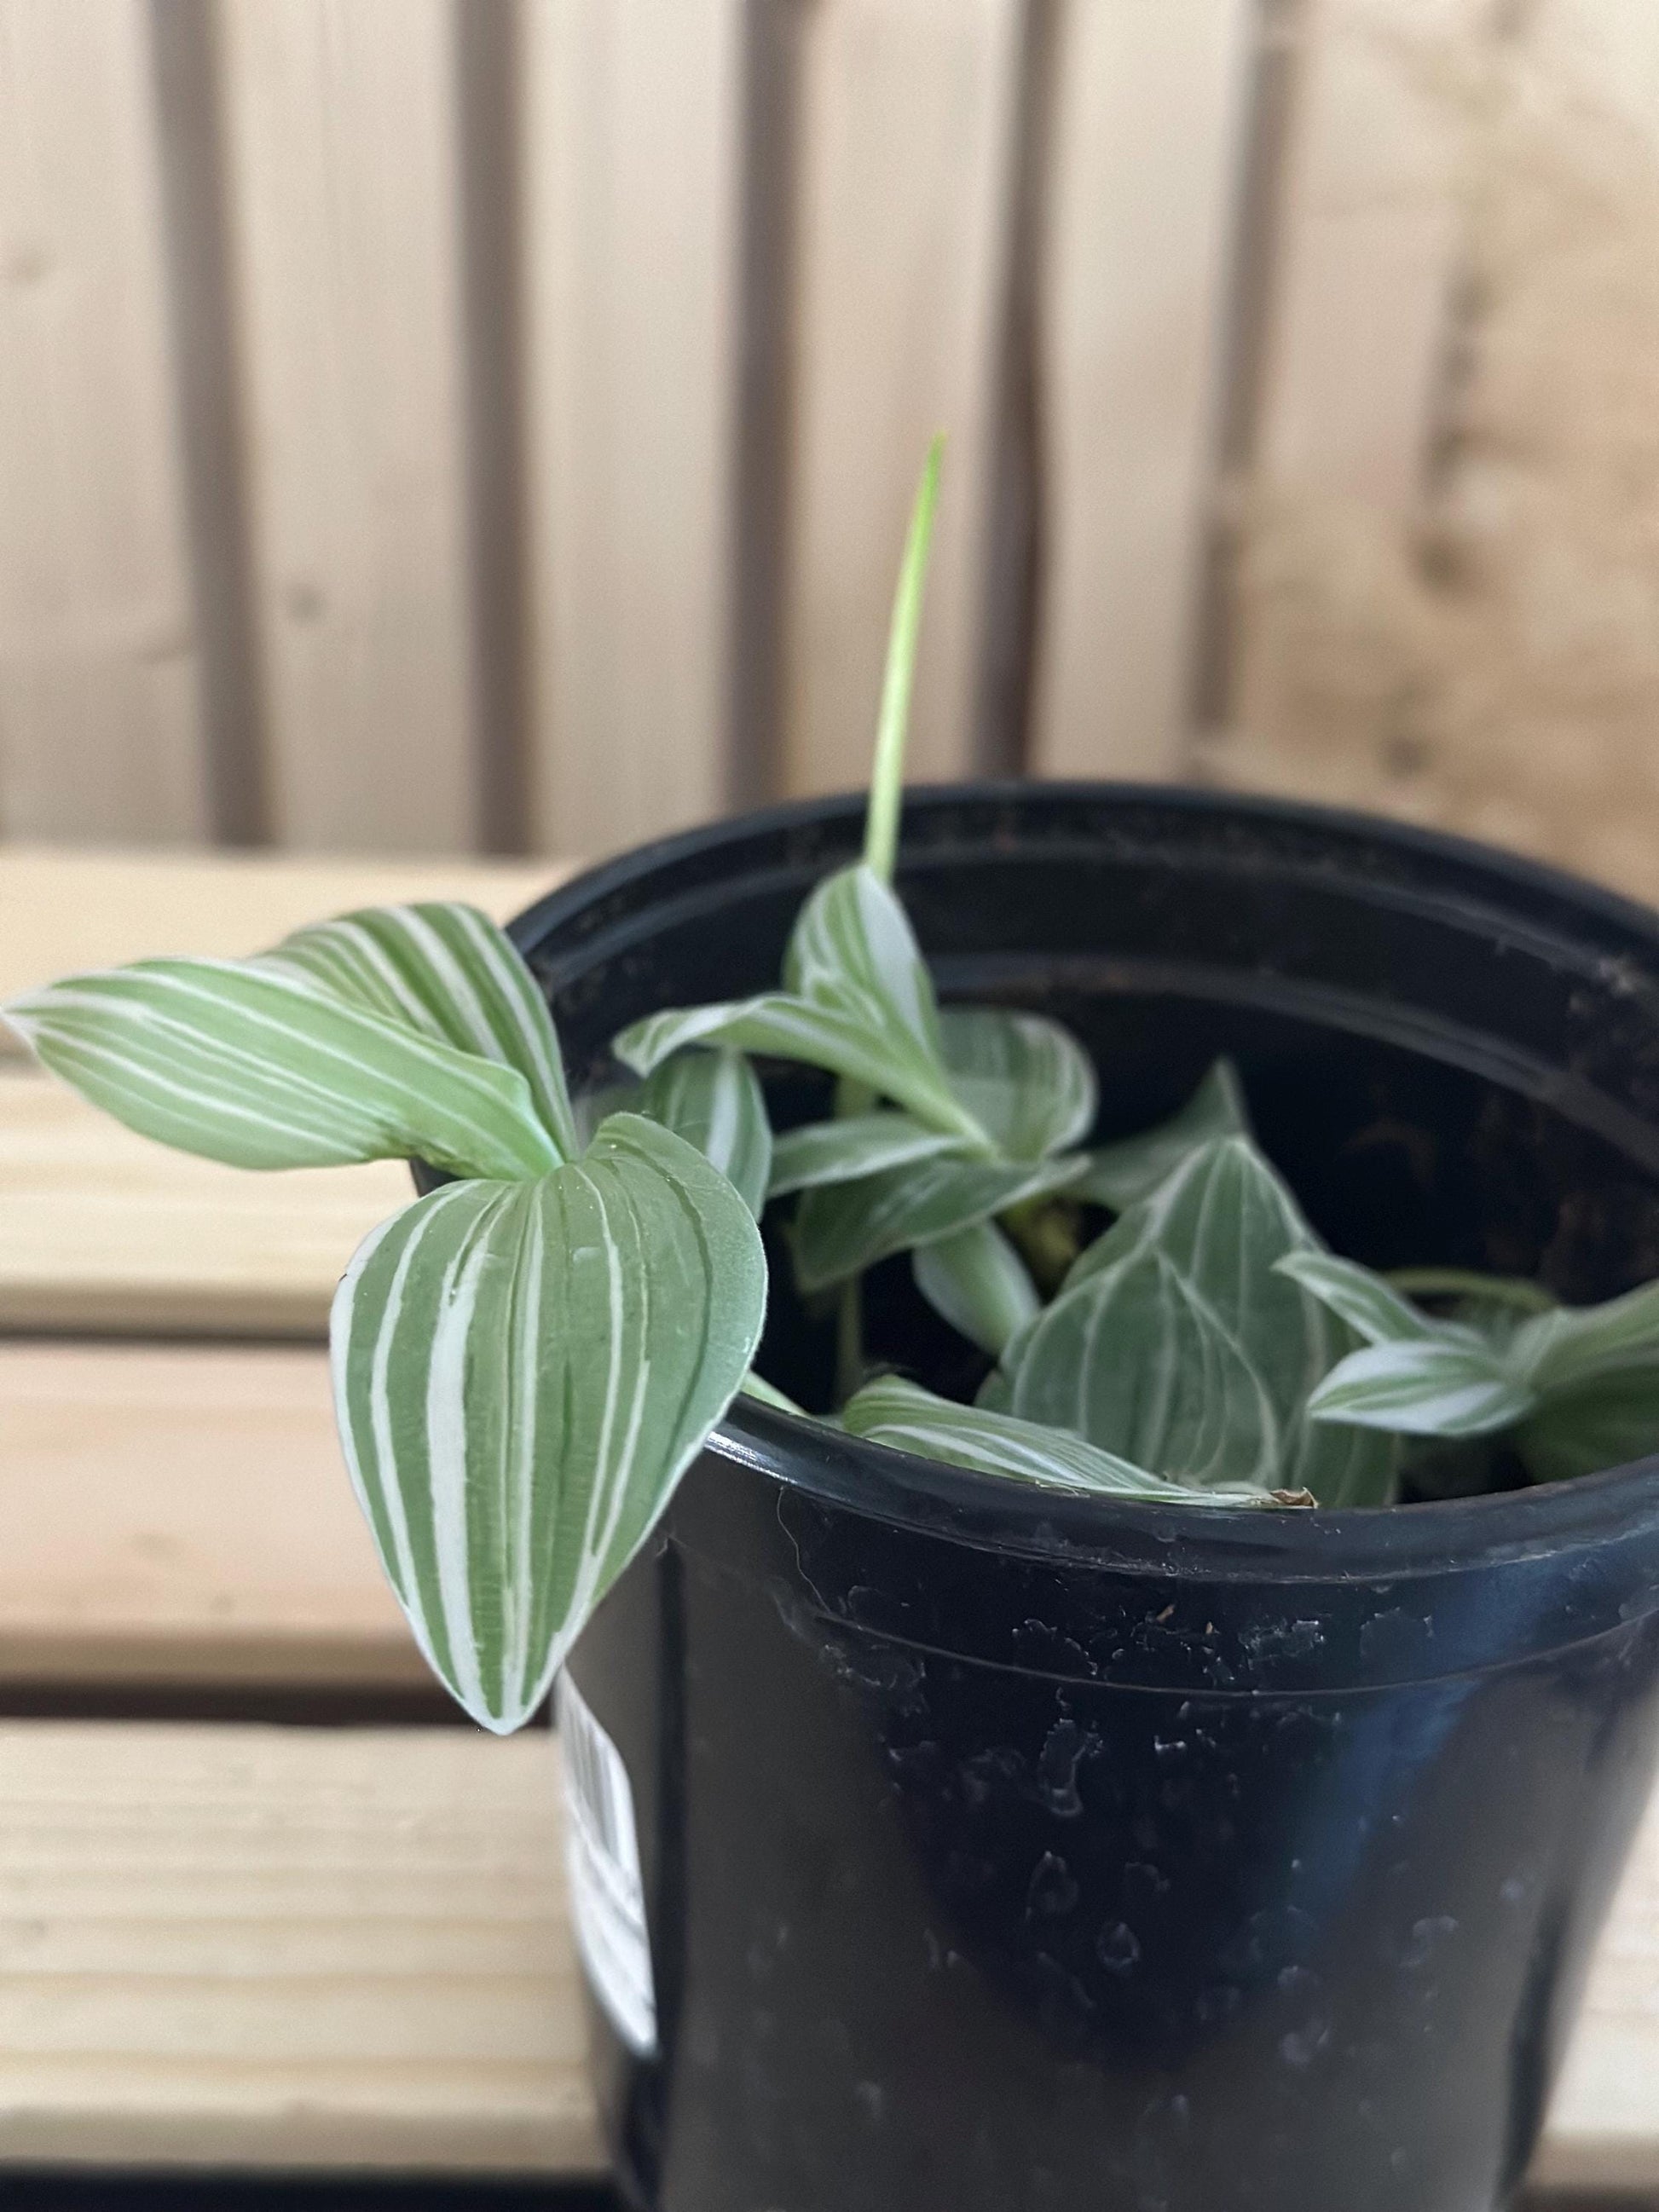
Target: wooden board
{"x": 634, "y": 174}
{"x": 100, "y": 725}
{"x": 181, "y": 1515}
{"x": 263, "y": 1948}
{"x": 908, "y": 113}
{"x": 63, "y": 910}
{"x": 101, "y": 1230}
{"x": 344, "y": 226}
{"x": 1146, "y": 161}
{"x": 257, "y": 1946}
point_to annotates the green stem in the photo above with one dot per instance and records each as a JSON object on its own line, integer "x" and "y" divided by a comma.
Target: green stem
{"x": 887, "y": 775}
{"x": 1465, "y": 1283}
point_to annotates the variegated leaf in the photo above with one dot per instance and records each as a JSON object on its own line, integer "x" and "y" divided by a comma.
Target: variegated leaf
{"x": 522, "y": 1372}
{"x": 1426, "y": 1387}
{"x": 447, "y": 970}
{"x": 1372, "y": 1307}
{"x": 845, "y": 1152}
{"x": 244, "y": 1063}
{"x": 1133, "y": 1358}
{"x": 1025, "y": 1080}
{"x": 906, "y": 1418}
{"x": 979, "y": 1283}
{"x": 1123, "y": 1173}
{"x": 714, "y": 1100}
{"x": 839, "y": 1231}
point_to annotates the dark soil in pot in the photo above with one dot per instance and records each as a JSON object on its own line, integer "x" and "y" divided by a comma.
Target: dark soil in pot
{"x": 996, "y": 1851}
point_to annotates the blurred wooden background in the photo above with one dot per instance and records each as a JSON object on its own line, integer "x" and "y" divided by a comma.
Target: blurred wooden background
{"x": 486, "y": 425}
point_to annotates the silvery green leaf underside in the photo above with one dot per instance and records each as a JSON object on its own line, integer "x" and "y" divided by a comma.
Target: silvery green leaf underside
{"x": 901, "y": 1415}
{"x": 1429, "y": 1387}
{"x": 446, "y": 969}
{"x": 978, "y": 1282}
{"x": 839, "y": 1231}
{"x": 1122, "y": 1173}
{"x": 241, "y": 1061}
{"x": 1026, "y": 1081}
{"x": 522, "y": 1371}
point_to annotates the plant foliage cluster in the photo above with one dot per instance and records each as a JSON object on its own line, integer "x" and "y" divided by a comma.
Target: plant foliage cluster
{"x": 527, "y": 1359}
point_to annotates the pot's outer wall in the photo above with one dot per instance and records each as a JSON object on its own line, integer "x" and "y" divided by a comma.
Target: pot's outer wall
{"x": 1004, "y": 1852}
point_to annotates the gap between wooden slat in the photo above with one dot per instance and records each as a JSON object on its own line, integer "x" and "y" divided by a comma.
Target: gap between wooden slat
{"x": 262, "y": 1948}
{"x": 99, "y": 685}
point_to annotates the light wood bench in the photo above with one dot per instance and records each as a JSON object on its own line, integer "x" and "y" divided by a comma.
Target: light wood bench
{"x": 230, "y": 1943}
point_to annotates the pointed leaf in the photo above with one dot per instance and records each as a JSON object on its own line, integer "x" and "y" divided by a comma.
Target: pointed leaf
{"x": 1225, "y": 1219}
{"x": 1132, "y": 1167}
{"x": 905, "y": 1418}
{"x": 846, "y": 1151}
{"x": 841, "y": 1231}
{"x": 714, "y": 1100}
{"x": 978, "y": 1282}
{"x": 1025, "y": 1080}
{"x": 241, "y": 1063}
{"x": 1372, "y": 1307}
{"x": 1433, "y": 1387}
{"x": 1571, "y": 1345}
{"x": 522, "y": 1372}
{"x": 788, "y": 1028}
{"x": 1134, "y": 1360}
{"x": 447, "y": 970}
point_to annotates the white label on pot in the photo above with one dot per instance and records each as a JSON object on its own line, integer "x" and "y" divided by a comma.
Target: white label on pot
{"x": 602, "y": 1859}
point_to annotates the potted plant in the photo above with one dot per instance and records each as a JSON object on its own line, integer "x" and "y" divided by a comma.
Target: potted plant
{"x": 1160, "y": 1731}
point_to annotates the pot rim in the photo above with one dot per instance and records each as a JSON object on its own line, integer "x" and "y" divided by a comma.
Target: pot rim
{"x": 903, "y": 1489}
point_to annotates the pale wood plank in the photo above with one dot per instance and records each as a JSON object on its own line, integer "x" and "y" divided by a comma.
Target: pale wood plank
{"x": 101, "y": 1230}
{"x": 907, "y": 156}
{"x": 1368, "y": 235}
{"x": 633, "y": 240}
{"x": 182, "y": 1515}
{"x": 295, "y": 1948}
{"x": 1146, "y": 168}
{"x": 251, "y": 1946}
{"x": 101, "y": 722}
{"x": 345, "y": 228}
{"x": 62, "y": 909}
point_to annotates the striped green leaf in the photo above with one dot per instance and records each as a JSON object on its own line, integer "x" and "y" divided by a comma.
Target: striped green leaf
{"x": 1371, "y": 1308}
{"x": 906, "y": 1418}
{"x": 1123, "y": 1173}
{"x": 1027, "y": 1081}
{"x": 522, "y": 1372}
{"x": 858, "y": 1002}
{"x": 1225, "y": 1221}
{"x": 844, "y": 1152}
{"x": 447, "y": 970}
{"x": 841, "y": 1231}
{"x": 1133, "y": 1358}
{"x": 978, "y": 1282}
{"x": 714, "y": 1100}
{"x": 1428, "y": 1387}
{"x": 244, "y": 1062}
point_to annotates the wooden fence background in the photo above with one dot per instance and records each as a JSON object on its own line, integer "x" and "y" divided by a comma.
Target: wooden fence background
{"x": 438, "y": 425}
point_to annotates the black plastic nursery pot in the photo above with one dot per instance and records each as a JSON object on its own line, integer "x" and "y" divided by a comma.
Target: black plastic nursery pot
{"x": 948, "y": 1846}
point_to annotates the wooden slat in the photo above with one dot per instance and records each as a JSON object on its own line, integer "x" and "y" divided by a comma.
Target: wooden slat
{"x": 1143, "y": 198}
{"x": 251, "y": 1946}
{"x": 182, "y": 1515}
{"x": 1367, "y": 258}
{"x": 345, "y": 220}
{"x": 632, "y": 234}
{"x": 64, "y": 909}
{"x": 908, "y": 125}
{"x": 101, "y": 1230}
{"x": 100, "y": 730}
